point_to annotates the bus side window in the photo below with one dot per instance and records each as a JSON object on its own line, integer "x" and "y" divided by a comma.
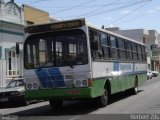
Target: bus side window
{"x": 105, "y": 46}
{"x": 143, "y": 54}
{"x": 95, "y": 44}
{"x": 122, "y": 51}
{"x": 139, "y": 52}
{"x": 128, "y": 50}
{"x": 114, "y": 52}
{"x": 134, "y": 51}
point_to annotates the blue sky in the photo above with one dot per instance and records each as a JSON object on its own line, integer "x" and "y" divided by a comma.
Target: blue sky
{"x": 126, "y": 14}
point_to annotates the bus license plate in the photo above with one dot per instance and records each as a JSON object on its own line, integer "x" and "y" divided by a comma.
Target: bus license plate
{"x": 4, "y": 99}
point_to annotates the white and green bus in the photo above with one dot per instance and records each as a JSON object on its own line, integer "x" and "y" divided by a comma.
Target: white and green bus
{"x": 71, "y": 60}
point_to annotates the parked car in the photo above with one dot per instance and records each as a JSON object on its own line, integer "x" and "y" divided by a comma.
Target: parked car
{"x": 14, "y": 92}
{"x": 149, "y": 74}
{"x": 155, "y": 73}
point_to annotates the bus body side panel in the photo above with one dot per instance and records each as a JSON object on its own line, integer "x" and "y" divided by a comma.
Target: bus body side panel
{"x": 121, "y": 75}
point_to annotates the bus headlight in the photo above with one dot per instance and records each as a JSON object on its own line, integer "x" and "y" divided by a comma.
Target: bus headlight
{"x": 78, "y": 83}
{"x": 29, "y": 86}
{"x": 35, "y": 85}
{"x": 84, "y": 82}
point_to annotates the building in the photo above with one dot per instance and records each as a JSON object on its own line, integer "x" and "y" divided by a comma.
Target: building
{"x": 13, "y": 19}
{"x": 36, "y": 16}
{"x": 11, "y": 35}
{"x": 158, "y": 40}
{"x": 148, "y": 37}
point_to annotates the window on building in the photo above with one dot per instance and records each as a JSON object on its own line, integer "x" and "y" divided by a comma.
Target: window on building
{"x": 30, "y": 23}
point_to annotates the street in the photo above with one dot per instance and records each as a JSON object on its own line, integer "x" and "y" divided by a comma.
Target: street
{"x": 147, "y": 101}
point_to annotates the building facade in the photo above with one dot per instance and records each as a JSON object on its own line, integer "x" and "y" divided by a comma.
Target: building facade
{"x": 11, "y": 37}
{"x": 13, "y": 19}
{"x": 34, "y": 16}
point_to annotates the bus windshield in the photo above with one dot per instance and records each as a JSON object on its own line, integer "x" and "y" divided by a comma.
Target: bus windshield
{"x": 56, "y": 49}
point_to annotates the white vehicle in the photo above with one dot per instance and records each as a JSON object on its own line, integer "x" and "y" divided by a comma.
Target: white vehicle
{"x": 149, "y": 74}
{"x": 155, "y": 73}
{"x": 74, "y": 60}
{"x": 13, "y": 93}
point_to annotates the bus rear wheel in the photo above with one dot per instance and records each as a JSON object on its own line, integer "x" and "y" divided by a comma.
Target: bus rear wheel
{"x": 102, "y": 101}
{"x": 134, "y": 90}
{"x": 56, "y": 104}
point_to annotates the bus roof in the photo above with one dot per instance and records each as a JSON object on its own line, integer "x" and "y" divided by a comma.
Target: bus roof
{"x": 66, "y": 24}
{"x": 114, "y": 34}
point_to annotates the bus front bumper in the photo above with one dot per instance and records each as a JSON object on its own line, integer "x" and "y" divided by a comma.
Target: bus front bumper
{"x": 59, "y": 93}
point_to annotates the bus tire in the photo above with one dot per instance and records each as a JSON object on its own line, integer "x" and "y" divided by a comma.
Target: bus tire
{"x": 56, "y": 104}
{"x": 134, "y": 90}
{"x": 102, "y": 101}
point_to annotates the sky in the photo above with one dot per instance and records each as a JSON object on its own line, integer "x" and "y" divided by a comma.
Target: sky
{"x": 125, "y": 14}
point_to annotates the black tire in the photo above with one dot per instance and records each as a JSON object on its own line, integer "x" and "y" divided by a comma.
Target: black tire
{"x": 56, "y": 104}
{"x": 134, "y": 90}
{"x": 102, "y": 101}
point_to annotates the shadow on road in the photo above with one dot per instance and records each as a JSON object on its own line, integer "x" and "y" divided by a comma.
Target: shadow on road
{"x": 120, "y": 96}
{"x": 14, "y": 105}
{"x": 71, "y": 107}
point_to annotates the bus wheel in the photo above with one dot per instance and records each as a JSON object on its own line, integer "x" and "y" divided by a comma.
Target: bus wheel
{"x": 56, "y": 104}
{"x": 102, "y": 101}
{"x": 134, "y": 90}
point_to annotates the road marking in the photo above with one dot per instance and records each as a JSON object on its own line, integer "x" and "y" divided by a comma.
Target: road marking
{"x": 75, "y": 118}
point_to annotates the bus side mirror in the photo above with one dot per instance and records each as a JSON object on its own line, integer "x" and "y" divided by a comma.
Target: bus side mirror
{"x": 17, "y": 48}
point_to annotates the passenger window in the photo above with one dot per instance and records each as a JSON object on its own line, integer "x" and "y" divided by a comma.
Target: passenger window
{"x": 122, "y": 51}
{"x": 114, "y": 53}
{"x": 105, "y": 46}
{"x": 95, "y": 44}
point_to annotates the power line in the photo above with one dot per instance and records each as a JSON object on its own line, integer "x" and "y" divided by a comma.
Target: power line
{"x": 113, "y": 3}
{"x": 102, "y": 6}
{"x": 132, "y": 19}
{"x": 83, "y": 6}
{"x": 64, "y": 9}
{"x": 38, "y": 1}
{"x": 117, "y": 8}
{"x": 127, "y": 14}
{"x": 121, "y": 7}
{"x": 135, "y": 18}
{"x": 75, "y": 6}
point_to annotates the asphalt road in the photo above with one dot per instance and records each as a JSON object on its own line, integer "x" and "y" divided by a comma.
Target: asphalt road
{"x": 145, "y": 105}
